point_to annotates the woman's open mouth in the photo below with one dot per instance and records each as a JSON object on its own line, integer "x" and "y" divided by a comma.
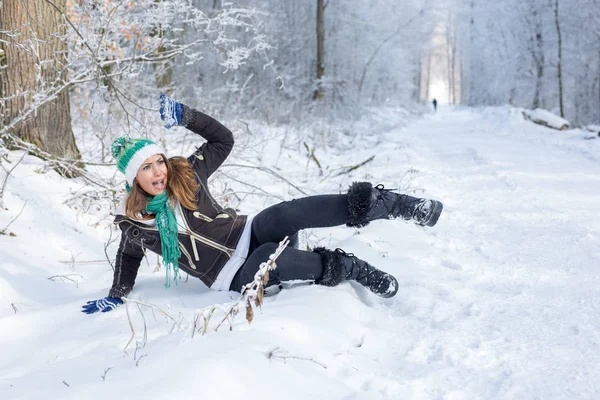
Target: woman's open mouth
{"x": 160, "y": 185}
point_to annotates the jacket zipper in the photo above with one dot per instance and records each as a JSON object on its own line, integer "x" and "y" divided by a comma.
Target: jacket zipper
{"x": 187, "y": 254}
{"x": 218, "y": 209}
{"x": 212, "y": 200}
{"x": 196, "y": 257}
{"x": 181, "y": 246}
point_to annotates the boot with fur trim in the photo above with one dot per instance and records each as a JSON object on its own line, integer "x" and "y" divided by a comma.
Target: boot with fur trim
{"x": 367, "y": 203}
{"x": 339, "y": 266}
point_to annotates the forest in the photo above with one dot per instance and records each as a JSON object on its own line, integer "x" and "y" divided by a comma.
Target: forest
{"x": 93, "y": 70}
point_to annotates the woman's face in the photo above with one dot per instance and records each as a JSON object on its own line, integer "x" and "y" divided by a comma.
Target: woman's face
{"x": 152, "y": 175}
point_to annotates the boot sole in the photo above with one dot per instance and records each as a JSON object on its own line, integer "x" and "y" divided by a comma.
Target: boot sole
{"x": 391, "y": 294}
{"x": 435, "y": 213}
{"x": 393, "y": 282}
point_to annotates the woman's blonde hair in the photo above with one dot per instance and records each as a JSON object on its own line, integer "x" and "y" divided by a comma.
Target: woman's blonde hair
{"x": 181, "y": 185}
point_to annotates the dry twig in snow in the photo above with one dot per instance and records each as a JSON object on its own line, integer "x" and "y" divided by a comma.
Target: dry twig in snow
{"x": 139, "y": 303}
{"x": 253, "y": 292}
{"x": 282, "y": 355}
{"x": 8, "y": 172}
{"x": 3, "y": 231}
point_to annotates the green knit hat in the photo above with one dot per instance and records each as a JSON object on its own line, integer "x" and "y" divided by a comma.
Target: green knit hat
{"x": 131, "y": 153}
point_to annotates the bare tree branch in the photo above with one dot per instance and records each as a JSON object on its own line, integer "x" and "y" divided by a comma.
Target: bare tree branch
{"x": 269, "y": 171}
{"x": 63, "y": 166}
{"x": 3, "y": 231}
{"x": 8, "y": 172}
{"x": 390, "y": 37}
{"x": 105, "y": 372}
{"x": 108, "y": 243}
{"x": 67, "y": 277}
{"x": 352, "y": 168}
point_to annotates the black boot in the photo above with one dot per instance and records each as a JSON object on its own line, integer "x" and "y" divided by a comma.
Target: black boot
{"x": 339, "y": 266}
{"x": 367, "y": 203}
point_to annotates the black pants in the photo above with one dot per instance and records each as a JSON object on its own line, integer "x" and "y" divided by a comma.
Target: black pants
{"x": 272, "y": 224}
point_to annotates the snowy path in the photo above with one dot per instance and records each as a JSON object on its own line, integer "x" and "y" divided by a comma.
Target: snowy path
{"x": 515, "y": 312}
{"x": 498, "y": 301}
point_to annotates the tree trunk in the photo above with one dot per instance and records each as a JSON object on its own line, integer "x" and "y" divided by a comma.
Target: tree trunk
{"x": 538, "y": 58}
{"x": 468, "y": 75}
{"x": 538, "y": 85}
{"x": 461, "y": 73}
{"x": 320, "y": 48}
{"x": 451, "y": 60}
{"x": 560, "y": 83}
{"x": 448, "y": 67}
{"x": 453, "y": 73}
{"x": 428, "y": 75}
{"x": 418, "y": 76}
{"x": 36, "y": 64}
{"x": 539, "y": 61}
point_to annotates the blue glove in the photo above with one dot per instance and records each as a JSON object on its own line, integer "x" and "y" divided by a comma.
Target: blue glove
{"x": 170, "y": 111}
{"x": 105, "y": 305}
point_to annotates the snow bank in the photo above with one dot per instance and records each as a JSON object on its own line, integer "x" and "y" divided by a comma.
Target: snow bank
{"x": 498, "y": 301}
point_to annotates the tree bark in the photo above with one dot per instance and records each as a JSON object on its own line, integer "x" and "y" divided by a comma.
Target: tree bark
{"x": 453, "y": 68}
{"x": 538, "y": 58}
{"x": 560, "y": 83}
{"x": 466, "y": 85}
{"x": 451, "y": 60}
{"x": 320, "y": 48}
{"x": 539, "y": 61}
{"x": 36, "y": 65}
{"x": 448, "y": 60}
{"x": 428, "y": 75}
{"x": 417, "y": 77}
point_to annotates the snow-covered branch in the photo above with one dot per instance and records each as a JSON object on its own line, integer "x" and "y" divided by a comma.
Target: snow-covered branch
{"x": 119, "y": 50}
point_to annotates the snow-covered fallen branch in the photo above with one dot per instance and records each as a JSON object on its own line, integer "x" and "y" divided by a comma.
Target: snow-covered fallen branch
{"x": 65, "y": 167}
{"x": 546, "y": 118}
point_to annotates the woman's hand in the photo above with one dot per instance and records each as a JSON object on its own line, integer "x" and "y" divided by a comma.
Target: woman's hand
{"x": 170, "y": 111}
{"x": 105, "y": 305}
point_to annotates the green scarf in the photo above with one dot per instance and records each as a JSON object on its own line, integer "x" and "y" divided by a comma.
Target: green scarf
{"x": 166, "y": 222}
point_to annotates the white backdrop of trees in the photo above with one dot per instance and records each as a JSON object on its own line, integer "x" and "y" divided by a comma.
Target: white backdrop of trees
{"x": 511, "y": 55}
{"x": 259, "y": 58}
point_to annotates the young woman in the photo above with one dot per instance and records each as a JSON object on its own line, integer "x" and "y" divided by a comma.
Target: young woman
{"x": 170, "y": 211}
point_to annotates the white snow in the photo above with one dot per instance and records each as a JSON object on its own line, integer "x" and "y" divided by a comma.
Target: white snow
{"x": 499, "y": 300}
{"x": 593, "y": 128}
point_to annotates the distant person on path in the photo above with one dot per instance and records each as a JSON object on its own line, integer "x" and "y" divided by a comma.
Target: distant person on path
{"x": 435, "y": 105}
{"x": 169, "y": 210}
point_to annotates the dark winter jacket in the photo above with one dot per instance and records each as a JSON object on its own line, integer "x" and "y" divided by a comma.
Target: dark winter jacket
{"x": 212, "y": 232}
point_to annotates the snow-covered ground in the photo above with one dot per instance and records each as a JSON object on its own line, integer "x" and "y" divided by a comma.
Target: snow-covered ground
{"x": 498, "y": 301}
